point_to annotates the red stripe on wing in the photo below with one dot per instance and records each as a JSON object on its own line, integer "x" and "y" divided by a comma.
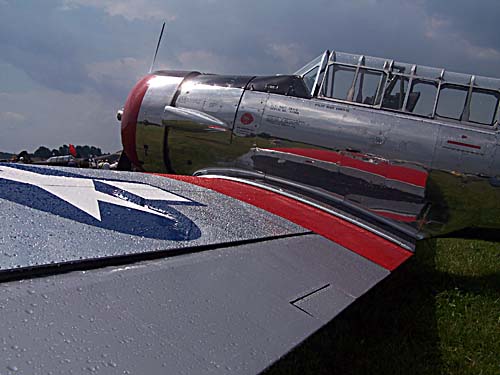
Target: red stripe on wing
{"x": 352, "y": 237}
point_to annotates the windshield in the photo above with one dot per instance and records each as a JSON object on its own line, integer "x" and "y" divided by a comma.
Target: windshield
{"x": 310, "y": 77}
{"x": 309, "y": 66}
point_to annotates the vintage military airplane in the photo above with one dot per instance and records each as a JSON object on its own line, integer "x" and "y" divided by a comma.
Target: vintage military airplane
{"x": 410, "y": 143}
{"x": 286, "y": 198}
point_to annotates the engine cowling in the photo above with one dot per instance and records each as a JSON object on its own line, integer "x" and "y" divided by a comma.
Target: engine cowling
{"x": 143, "y": 133}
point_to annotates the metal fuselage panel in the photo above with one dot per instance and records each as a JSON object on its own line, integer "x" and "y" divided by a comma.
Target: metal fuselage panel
{"x": 340, "y": 126}
{"x": 220, "y": 102}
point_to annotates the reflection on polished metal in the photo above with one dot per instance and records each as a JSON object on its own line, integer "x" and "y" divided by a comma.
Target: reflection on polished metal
{"x": 410, "y": 150}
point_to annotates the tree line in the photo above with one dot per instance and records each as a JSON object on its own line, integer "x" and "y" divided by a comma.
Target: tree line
{"x": 85, "y": 152}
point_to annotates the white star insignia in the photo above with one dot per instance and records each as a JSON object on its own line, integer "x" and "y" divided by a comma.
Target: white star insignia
{"x": 81, "y": 193}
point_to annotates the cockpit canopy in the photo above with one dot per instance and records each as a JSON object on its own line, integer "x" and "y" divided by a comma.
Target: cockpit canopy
{"x": 413, "y": 89}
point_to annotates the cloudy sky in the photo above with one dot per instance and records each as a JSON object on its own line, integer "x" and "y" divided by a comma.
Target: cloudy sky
{"x": 66, "y": 66}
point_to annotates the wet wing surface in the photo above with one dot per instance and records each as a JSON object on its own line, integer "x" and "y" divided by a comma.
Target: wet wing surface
{"x": 232, "y": 310}
{"x": 101, "y": 203}
{"x": 53, "y": 215}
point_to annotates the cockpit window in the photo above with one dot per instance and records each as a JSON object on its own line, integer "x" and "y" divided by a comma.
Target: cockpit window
{"x": 342, "y": 78}
{"x": 422, "y": 97}
{"x": 395, "y": 92}
{"x": 483, "y": 107}
{"x": 310, "y": 77}
{"x": 369, "y": 85}
{"x": 451, "y": 102}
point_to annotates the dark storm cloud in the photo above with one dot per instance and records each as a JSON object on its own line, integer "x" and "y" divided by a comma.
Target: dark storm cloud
{"x": 244, "y": 33}
{"x": 250, "y": 34}
{"x": 55, "y": 47}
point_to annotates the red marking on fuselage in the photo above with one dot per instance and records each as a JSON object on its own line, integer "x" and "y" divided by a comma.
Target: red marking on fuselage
{"x": 367, "y": 244}
{"x": 129, "y": 118}
{"x": 464, "y": 144}
{"x": 393, "y": 172}
{"x": 246, "y": 118}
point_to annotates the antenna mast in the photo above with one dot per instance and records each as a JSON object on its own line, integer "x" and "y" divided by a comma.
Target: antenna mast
{"x": 157, "y": 47}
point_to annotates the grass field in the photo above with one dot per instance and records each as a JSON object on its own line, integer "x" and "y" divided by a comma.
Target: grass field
{"x": 437, "y": 314}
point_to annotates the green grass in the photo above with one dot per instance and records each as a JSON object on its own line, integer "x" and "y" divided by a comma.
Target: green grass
{"x": 437, "y": 314}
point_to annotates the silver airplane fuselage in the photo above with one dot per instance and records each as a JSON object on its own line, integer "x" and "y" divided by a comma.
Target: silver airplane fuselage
{"x": 387, "y": 136}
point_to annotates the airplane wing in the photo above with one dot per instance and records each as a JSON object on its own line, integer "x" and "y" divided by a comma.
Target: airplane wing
{"x": 131, "y": 273}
